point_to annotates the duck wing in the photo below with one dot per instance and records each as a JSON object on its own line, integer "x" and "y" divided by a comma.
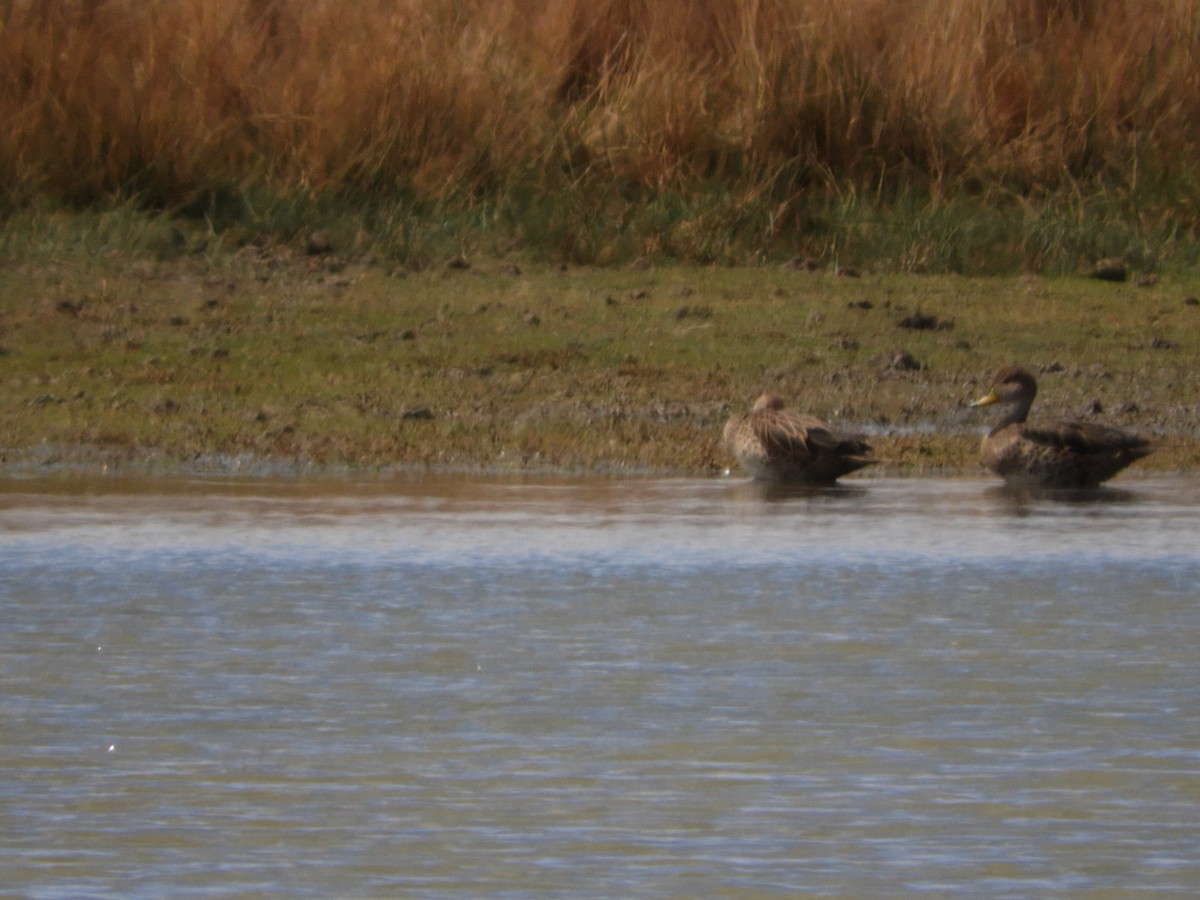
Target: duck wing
{"x": 1086, "y": 439}
{"x": 793, "y": 435}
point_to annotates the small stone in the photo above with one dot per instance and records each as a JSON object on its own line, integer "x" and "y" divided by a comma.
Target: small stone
{"x": 1111, "y": 269}
{"x": 902, "y": 360}
{"x": 319, "y": 244}
{"x": 920, "y": 321}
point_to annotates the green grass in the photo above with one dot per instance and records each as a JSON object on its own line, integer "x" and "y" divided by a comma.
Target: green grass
{"x": 128, "y": 338}
{"x": 909, "y": 230}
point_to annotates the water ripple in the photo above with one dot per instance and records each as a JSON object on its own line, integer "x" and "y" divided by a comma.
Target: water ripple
{"x": 548, "y": 688}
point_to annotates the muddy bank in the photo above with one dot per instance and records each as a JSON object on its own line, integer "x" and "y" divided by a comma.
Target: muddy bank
{"x": 269, "y": 360}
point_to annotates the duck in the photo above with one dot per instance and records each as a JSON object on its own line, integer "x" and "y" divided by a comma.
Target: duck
{"x": 1053, "y": 454}
{"x": 773, "y": 444}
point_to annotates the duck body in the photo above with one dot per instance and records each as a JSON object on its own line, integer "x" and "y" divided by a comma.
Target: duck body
{"x": 1051, "y": 455}
{"x": 773, "y": 444}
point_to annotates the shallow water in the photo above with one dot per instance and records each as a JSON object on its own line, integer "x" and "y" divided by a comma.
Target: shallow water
{"x": 501, "y": 687}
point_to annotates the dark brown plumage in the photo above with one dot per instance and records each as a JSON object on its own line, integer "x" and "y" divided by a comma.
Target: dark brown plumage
{"x": 773, "y": 444}
{"x": 1054, "y": 454}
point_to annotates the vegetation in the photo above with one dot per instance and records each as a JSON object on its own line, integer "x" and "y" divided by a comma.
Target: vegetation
{"x": 1040, "y": 135}
{"x": 269, "y": 356}
{"x": 581, "y": 233}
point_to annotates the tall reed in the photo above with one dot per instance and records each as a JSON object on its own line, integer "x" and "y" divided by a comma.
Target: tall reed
{"x": 766, "y": 101}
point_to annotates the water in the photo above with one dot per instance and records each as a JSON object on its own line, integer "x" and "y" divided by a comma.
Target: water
{"x": 514, "y": 688}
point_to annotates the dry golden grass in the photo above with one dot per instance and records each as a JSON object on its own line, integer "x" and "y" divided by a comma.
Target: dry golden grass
{"x": 425, "y": 98}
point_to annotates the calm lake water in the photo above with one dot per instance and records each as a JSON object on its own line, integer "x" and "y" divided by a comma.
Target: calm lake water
{"x": 471, "y": 686}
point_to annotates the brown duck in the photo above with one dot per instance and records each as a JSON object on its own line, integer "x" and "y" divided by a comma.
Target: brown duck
{"x": 773, "y": 444}
{"x": 1055, "y": 454}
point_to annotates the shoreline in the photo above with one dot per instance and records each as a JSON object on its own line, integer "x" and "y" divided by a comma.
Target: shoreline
{"x": 17, "y": 466}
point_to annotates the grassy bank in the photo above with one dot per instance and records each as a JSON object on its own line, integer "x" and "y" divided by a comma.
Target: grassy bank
{"x": 514, "y": 234}
{"x": 1040, "y": 135}
{"x": 185, "y": 353}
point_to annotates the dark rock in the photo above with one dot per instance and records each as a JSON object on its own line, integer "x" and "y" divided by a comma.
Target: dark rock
{"x": 319, "y": 244}
{"x": 920, "y": 321}
{"x": 902, "y": 361}
{"x": 1111, "y": 269}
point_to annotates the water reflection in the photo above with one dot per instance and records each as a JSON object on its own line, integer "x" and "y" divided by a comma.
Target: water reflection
{"x": 774, "y": 492}
{"x": 1022, "y": 499}
{"x": 490, "y": 686}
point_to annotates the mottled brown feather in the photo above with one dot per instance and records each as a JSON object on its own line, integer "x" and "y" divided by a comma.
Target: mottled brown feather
{"x": 1054, "y": 454}
{"x": 773, "y": 444}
